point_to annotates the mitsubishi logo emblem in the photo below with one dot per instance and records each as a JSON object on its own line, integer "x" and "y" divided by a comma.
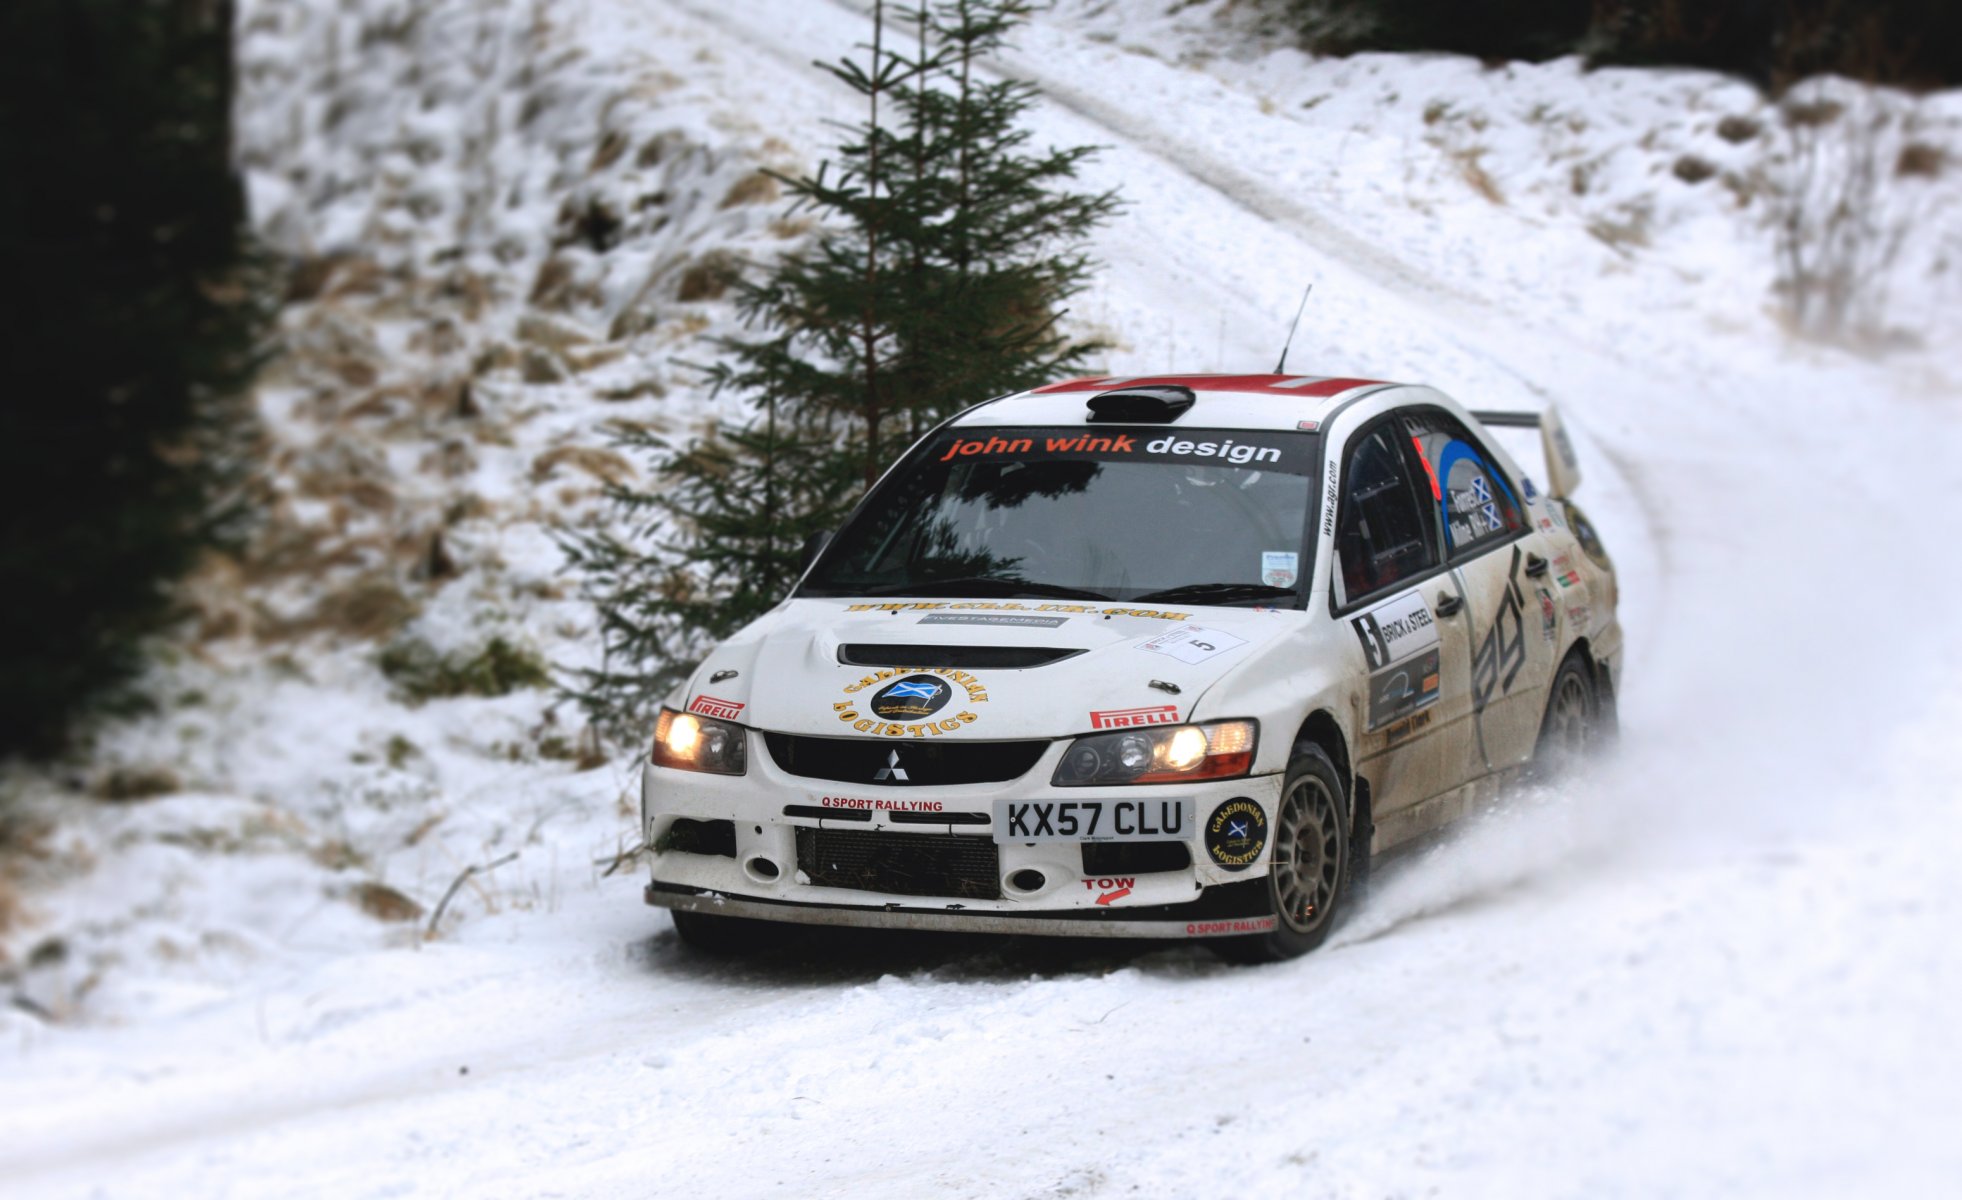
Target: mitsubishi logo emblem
{"x": 891, "y": 771}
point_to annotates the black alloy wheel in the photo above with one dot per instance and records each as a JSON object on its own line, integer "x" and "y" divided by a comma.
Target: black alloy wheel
{"x": 1572, "y": 725}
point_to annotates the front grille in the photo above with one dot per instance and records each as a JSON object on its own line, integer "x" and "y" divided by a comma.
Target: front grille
{"x": 689, "y": 836}
{"x": 1134, "y": 858}
{"x": 953, "y": 658}
{"x": 817, "y": 812}
{"x": 939, "y": 818}
{"x": 814, "y": 812}
{"x": 938, "y": 763}
{"x": 901, "y": 864}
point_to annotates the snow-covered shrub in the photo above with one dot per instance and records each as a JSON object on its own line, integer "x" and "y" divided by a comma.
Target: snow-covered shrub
{"x": 1844, "y": 210}
{"x": 420, "y": 672}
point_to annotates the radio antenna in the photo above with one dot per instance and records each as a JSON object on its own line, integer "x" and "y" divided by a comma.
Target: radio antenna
{"x": 1281, "y": 367}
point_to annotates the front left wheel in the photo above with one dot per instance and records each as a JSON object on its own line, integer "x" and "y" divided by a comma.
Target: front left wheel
{"x": 1312, "y": 865}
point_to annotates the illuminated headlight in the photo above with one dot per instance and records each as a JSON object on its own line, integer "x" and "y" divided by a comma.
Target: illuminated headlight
{"x": 688, "y": 742}
{"x": 1168, "y": 754}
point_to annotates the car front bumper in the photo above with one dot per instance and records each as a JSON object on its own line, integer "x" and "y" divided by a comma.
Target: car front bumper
{"x": 1202, "y": 899}
{"x": 1225, "y": 910}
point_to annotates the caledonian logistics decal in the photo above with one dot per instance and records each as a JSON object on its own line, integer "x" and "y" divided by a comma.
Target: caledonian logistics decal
{"x": 1236, "y": 834}
{"x": 909, "y": 701}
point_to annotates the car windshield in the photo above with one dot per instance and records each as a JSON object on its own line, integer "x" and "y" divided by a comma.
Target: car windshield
{"x": 1197, "y": 516}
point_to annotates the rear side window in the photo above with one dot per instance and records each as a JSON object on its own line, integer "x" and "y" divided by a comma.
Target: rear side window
{"x": 1380, "y": 536}
{"x": 1475, "y": 503}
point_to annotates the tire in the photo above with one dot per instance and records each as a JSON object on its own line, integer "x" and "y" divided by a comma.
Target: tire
{"x": 1313, "y": 816}
{"x": 1573, "y": 726}
{"x": 712, "y": 934}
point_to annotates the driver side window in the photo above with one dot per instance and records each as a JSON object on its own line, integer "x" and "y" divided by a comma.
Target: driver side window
{"x": 1381, "y": 539}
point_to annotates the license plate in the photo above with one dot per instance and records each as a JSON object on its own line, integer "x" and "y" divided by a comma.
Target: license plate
{"x": 1157, "y": 819}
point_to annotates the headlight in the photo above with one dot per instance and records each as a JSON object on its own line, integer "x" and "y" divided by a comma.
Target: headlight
{"x": 1167, "y": 754}
{"x": 689, "y": 742}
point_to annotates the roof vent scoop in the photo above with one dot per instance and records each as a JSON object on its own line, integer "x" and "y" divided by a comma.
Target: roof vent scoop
{"x": 1158, "y": 404}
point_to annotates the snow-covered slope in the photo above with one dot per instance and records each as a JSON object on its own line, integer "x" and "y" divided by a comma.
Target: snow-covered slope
{"x": 503, "y": 231}
{"x": 1722, "y": 965}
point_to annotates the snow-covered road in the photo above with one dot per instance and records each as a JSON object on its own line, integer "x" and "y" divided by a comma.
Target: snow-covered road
{"x": 1724, "y": 965}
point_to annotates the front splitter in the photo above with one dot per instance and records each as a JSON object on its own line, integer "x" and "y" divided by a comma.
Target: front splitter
{"x": 1223, "y": 911}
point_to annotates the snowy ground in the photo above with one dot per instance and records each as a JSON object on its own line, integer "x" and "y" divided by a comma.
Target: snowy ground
{"x": 1725, "y": 965}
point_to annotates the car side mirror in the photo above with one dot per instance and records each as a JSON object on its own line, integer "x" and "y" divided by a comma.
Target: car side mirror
{"x": 813, "y": 546}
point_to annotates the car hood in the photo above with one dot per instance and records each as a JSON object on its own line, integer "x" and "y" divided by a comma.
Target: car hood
{"x": 994, "y": 669}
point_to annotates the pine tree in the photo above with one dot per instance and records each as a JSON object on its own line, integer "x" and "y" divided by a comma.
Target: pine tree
{"x": 714, "y": 565}
{"x": 947, "y": 248}
{"x": 1003, "y": 236}
{"x": 130, "y": 327}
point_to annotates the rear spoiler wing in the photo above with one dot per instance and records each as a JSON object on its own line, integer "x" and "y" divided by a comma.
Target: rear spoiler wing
{"x": 1563, "y": 471}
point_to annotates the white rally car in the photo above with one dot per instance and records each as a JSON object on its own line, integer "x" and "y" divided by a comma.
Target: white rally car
{"x": 1160, "y": 657}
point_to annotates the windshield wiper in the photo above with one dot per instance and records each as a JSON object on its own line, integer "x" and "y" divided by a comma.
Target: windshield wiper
{"x": 981, "y": 585}
{"x": 1219, "y": 593}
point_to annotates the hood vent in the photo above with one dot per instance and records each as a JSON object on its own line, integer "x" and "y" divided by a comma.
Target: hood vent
{"x": 1155, "y": 404}
{"x": 958, "y": 658}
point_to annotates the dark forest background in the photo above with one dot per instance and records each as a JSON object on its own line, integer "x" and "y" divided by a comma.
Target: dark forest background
{"x": 130, "y": 325}
{"x": 1774, "y": 43}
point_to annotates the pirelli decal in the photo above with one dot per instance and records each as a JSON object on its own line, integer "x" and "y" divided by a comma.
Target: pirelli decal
{"x": 711, "y": 706}
{"x": 1127, "y": 718}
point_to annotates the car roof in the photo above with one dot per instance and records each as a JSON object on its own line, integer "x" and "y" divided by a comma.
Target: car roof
{"x": 1219, "y": 401}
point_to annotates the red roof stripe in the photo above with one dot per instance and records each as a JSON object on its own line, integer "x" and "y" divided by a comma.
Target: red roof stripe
{"x": 1258, "y": 384}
